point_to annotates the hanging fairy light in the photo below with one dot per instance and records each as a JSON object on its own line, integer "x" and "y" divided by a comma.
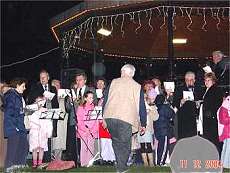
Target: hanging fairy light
{"x": 74, "y": 36}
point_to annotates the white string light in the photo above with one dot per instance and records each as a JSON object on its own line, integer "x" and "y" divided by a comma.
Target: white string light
{"x": 212, "y": 14}
{"x": 182, "y": 13}
{"x": 79, "y": 35}
{"x": 122, "y": 23}
{"x": 150, "y": 17}
{"x": 163, "y": 19}
{"x": 146, "y": 13}
{"x": 139, "y": 20}
{"x": 87, "y": 26}
{"x": 174, "y": 13}
{"x": 98, "y": 18}
{"x": 189, "y": 16}
{"x": 133, "y": 18}
{"x": 218, "y": 18}
{"x": 159, "y": 11}
{"x": 111, "y": 25}
{"x": 115, "y": 21}
{"x": 102, "y": 22}
{"x": 71, "y": 36}
{"x": 223, "y": 14}
{"x": 32, "y": 58}
{"x": 106, "y": 20}
{"x": 203, "y": 27}
{"x": 91, "y": 28}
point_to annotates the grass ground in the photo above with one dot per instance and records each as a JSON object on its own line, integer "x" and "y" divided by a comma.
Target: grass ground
{"x": 138, "y": 169}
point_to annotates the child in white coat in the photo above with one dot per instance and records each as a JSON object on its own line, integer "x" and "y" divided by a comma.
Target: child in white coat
{"x": 40, "y": 131}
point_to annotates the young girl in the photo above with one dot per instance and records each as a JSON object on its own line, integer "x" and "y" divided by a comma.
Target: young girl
{"x": 146, "y": 140}
{"x": 14, "y": 128}
{"x": 162, "y": 128}
{"x": 86, "y": 129}
{"x": 224, "y": 120}
{"x": 40, "y": 131}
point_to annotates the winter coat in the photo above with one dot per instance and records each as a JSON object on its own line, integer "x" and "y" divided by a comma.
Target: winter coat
{"x": 13, "y": 113}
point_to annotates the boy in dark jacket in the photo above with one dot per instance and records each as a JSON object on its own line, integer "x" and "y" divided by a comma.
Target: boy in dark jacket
{"x": 162, "y": 128}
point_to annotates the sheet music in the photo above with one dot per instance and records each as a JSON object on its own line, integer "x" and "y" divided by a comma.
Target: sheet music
{"x": 53, "y": 114}
{"x": 49, "y": 95}
{"x": 99, "y": 93}
{"x": 62, "y": 93}
{"x": 169, "y": 86}
{"x": 96, "y": 113}
{"x": 188, "y": 95}
{"x": 207, "y": 69}
{"x": 32, "y": 107}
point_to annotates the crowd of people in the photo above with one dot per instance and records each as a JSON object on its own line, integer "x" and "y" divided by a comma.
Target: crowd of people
{"x": 150, "y": 118}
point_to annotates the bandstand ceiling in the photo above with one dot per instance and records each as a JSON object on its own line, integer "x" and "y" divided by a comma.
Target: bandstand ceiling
{"x": 139, "y": 28}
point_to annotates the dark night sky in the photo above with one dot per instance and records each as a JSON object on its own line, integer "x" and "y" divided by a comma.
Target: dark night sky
{"x": 25, "y": 32}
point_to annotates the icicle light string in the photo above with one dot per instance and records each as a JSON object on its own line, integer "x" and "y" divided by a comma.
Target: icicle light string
{"x": 102, "y": 22}
{"x": 98, "y": 18}
{"x": 182, "y": 13}
{"x": 139, "y": 20}
{"x": 115, "y": 21}
{"x": 160, "y": 11}
{"x": 91, "y": 28}
{"x": 146, "y": 13}
{"x": 163, "y": 19}
{"x": 212, "y": 14}
{"x": 174, "y": 13}
{"x": 203, "y": 27}
{"x": 223, "y": 14}
{"x": 111, "y": 22}
{"x": 189, "y": 16}
{"x": 106, "y": 22}
{"x": 87, "y": 24}
{"x": 218, "y": 18}
{"x": 122, "y": 23}
{"x": 150, "y": 17}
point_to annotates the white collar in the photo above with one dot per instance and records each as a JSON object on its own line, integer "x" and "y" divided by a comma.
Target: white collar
{"x": 82, "y": 90}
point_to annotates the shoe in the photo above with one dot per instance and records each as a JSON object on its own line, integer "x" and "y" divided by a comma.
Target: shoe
{"x": 110, "y": 163}
{"x": 10, "y": 169}
{"x": 123, "y": 171}
{"x": 43, "y": 165}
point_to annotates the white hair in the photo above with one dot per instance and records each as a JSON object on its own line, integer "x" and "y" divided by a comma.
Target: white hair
{"x": 128, "y": 69}
{"x": 190, "y": 73}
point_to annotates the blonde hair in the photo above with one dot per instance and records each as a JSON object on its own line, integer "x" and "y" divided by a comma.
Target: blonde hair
{"x": 217, "y": 52}
{"x": 211, "y": 76}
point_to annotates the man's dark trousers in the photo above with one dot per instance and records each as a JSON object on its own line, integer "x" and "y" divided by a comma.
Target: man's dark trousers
{"x": 121, "y": 133}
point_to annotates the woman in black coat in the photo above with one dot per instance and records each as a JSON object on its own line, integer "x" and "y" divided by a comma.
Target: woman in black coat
{"x": 212, "y": 100}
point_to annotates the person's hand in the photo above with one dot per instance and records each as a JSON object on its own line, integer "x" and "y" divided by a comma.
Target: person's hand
{"x": 182, "y": 101}
{"x": 142, "y": 131}
{"x": 42, "y": 109}
{"x": 104, "y": 124}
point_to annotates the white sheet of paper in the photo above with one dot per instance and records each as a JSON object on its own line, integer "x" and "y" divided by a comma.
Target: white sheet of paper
{"x": 207, "y": 69}
{"x": 96, "y": 113}
{"x": 62, "y": 93}
{"x": 32, "y": 107}
{"x": 99, "y": 93}
{"x": 188, "y": 95}
{"x": 48, "y": 95}
{"x": 169, "y": 86}
{"x": 51, "y": 114}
